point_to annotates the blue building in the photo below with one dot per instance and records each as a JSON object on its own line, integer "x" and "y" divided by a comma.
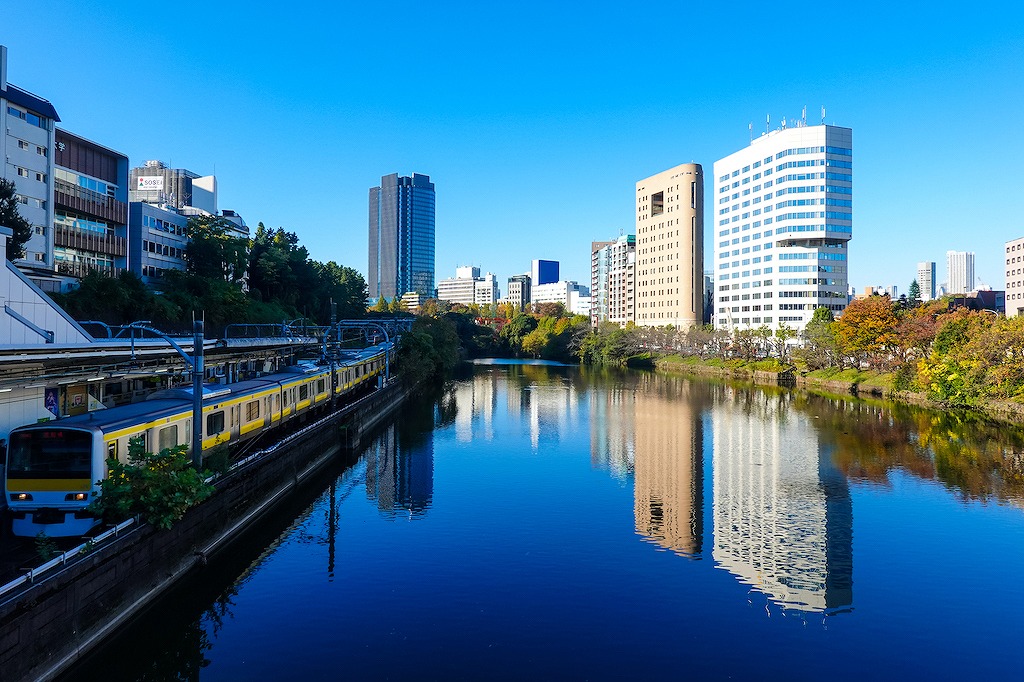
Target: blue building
{"x": 401, "y": 253}
{"x": 544, "y": 272}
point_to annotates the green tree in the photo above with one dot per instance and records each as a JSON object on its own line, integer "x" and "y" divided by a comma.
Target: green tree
{"x": 10, "y": 217}
{"x": 820, "y": 348}
{"x": 781, "y": 338}
{"x": 160, "y": 487}
{"x": 914, "y": 293}
{"x": 212, "y": 252}
{"x": 429, "y": 351}
{"x": 381, "y": 305}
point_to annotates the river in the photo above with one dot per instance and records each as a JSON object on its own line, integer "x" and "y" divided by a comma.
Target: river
{"x": 548, "y": 522}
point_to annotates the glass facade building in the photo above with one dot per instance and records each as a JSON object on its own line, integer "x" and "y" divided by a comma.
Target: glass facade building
{"x": 783, "y": 222}
{"x": 401, "y": 244}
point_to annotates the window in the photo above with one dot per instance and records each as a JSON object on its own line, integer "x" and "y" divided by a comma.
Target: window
{"x": 215, "y": 422}
{"x": 252, "y": 410}
{"x": 168, "y": 437}
{"x": 304, "y": 392}
{"x": 657, "y": 203}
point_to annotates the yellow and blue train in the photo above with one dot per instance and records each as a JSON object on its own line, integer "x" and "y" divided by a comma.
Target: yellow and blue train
{"x": 54, "y": 468}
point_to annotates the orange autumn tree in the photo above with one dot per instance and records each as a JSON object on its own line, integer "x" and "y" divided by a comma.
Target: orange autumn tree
{"x": 867, "y": 329}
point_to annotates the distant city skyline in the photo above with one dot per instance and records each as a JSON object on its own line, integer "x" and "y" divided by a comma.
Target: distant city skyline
{"x": 296, "y": 135}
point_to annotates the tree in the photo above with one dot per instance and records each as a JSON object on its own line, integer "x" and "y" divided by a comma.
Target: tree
{"x": 867, "y": 329}
{"x": 10, "y": 217}
{"x": 161, "y": 487}
{"x": 381, "y": 306}
{"x": 212, "y": 252}
{"x": 914, "y": 293}
{"x": 780, "y": 338}
{"x": 820, "y": 346}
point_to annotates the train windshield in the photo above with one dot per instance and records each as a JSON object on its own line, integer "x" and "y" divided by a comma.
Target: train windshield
{"x": 50, "y": 453}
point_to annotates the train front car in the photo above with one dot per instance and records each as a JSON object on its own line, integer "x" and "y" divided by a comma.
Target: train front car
{"x": 52, "y": 475}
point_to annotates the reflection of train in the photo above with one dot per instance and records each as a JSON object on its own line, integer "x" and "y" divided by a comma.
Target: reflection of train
{"x": 54, "y": 468}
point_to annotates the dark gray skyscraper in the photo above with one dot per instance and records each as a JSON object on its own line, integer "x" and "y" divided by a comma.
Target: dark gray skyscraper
{"x": 401, "y": 236}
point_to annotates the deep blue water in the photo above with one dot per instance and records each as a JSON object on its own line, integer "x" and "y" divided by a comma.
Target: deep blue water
{"x": 548, "y": 522}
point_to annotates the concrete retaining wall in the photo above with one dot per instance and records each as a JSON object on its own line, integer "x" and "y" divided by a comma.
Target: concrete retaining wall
{"x": 48, "y": 626}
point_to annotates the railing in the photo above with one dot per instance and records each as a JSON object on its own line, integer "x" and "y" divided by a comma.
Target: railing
{"x": 84, "y": 548}
{"x": 105, "y": 243}
{"x": 72, "y": 197}
{"x": 82, "y": 269}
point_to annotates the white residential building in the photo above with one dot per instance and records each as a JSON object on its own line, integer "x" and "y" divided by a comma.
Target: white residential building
{"x": 27, "y": 134}
{"x": 1015, "y": 277}
{"x": 613, "y": 280}
{"x": 959, "y": 272}
{"x": 926, "y": 279}
{"x": 669, "y": 270}
{"x": 783, "y": 220}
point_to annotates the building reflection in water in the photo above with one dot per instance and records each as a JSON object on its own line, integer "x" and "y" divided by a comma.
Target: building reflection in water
{"x": 476, "y": 401}
{"x": 544, "y": 397}
{"x": 783, "y": 518}
{"x": 612, "y": 431}
{"x": 668, "y": 499}
{"x": 400, "y": 472}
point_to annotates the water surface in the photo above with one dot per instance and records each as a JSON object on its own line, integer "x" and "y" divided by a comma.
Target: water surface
{"x": 553, "y": 522}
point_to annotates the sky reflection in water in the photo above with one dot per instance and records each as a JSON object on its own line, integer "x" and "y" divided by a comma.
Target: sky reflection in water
{"x": 558, "y": 522}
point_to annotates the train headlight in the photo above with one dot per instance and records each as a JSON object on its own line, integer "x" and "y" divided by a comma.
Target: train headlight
{"x": 21, "y": 497}
{"x": 76, "y": 497}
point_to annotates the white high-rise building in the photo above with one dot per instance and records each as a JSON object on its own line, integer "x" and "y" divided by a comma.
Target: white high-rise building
{"x": 783, "y": 220}
{"x": 1015, "y": 277}
{"x": 960, "y": 272}
{"x": 926, "y": 279}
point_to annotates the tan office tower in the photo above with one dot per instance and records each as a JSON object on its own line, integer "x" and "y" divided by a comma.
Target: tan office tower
{"x": 670, "y": 248}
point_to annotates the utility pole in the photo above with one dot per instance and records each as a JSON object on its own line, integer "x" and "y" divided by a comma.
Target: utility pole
{"x": 197, "y": 394}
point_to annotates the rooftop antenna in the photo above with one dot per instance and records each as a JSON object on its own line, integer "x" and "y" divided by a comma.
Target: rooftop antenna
{"x": 822, "y": 114}
{"x": 803, "y": 116}
{"x": 767, "y": 122}
{"x": 783, "y": 122}
{"x": 750, "y": 127}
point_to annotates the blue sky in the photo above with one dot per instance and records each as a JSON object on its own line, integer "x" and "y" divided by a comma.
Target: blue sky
{"x": 535, "y": 121}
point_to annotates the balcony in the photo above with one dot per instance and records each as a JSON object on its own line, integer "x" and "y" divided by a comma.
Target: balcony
{"x": 73, "y": 198}
{"x": 106, "y": 243}
{"x": 80, "y": 270}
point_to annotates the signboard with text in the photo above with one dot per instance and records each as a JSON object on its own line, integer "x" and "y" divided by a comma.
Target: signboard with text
{"x": 151, "y": 183}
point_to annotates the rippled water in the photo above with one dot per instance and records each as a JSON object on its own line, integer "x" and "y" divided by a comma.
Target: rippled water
{"x": 547, "y": 522}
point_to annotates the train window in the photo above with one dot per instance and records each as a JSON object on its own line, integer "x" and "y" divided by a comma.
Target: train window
{"x": 168, "y": 437}
{"x": 112, "y": 449}
{"x": 50, "y": 453}
{"x": 321, "y": 386}
{"x": 252, "y": 410}
{"x": 141, "y": 437}
{"x": 303, "y": 391}
{"x": 215, "y": 422}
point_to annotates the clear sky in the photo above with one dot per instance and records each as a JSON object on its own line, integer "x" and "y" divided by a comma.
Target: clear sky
{"x": 535, "y": 120}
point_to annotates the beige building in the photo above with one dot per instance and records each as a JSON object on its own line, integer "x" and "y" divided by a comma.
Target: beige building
{"x": 670, "y": 248}
{"x": 1015, "y": 277}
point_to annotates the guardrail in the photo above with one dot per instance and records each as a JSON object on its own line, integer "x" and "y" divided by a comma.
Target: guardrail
{"x": 84, "y": 548}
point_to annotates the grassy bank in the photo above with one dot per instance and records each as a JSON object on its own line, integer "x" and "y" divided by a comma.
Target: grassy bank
{"x": 856, "y": 382}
